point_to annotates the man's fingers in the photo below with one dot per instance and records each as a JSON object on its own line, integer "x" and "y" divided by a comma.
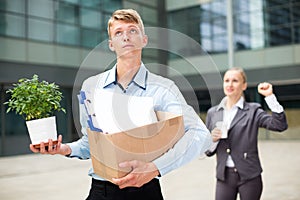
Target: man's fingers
{"x": 33, "y": 149}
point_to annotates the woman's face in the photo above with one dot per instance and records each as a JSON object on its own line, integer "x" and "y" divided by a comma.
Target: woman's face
{"x": 234, "y": 84}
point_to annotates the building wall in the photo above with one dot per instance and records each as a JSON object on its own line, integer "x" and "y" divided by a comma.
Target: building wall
{"x": 62, "y": 41}
{"x": 265, "y": 42}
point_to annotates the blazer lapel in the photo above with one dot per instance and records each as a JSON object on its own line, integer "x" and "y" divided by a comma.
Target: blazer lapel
{"x": 241, "y": 113}
{"x": 218, "y": 116}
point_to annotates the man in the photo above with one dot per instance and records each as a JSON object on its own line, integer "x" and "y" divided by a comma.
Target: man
{"x": 130, "y": 77}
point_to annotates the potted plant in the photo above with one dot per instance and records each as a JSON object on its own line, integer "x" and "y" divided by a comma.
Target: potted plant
{"x": 36, "y": 101}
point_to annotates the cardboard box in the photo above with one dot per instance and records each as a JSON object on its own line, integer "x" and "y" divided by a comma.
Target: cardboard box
{"x": 144, "y": 143}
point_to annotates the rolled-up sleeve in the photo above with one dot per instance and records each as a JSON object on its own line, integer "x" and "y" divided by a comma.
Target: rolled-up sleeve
{"x": 80, "y": 148}
{"x": 195, "y": 141}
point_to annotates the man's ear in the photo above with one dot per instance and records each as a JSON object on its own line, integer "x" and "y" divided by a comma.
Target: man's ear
{"x": 110, "y": 45}
{"x": 145, "y": 40}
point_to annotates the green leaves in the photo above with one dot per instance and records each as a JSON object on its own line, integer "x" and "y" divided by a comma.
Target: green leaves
{"x": 34, "y": 99}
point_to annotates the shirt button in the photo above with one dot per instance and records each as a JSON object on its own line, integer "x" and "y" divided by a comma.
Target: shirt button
{"x": 228, "y": 151}
{"x": 235, "y": 170}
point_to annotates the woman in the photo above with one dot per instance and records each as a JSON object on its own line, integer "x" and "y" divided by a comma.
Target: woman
{"x": 234, "y": 125}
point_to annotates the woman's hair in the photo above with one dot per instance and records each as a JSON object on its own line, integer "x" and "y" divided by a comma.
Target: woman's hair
{"x": 126, "y": 15}
{"x": 241, "y": 71}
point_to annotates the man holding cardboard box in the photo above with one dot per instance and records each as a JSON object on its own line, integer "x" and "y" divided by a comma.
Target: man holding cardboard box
{"x": 130, "y": 77}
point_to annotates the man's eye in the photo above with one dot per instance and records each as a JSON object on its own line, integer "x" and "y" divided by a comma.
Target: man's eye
{"x": 118, "y": 33}
{"x": 133, "y": 31}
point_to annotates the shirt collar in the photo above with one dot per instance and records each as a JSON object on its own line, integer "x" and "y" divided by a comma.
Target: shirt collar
{"x": 239, "y": 104}
{"x": 140, "y": 78}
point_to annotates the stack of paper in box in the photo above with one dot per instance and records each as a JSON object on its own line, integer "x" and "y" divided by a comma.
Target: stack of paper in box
{"x": 125, "y": 128}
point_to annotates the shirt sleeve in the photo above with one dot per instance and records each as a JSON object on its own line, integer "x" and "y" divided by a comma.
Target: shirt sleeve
{"x": 80, "y": 148}
{"x": 213, "y": 146}
{"x": 273, "y": 104}
{"x": 194, "y": 143}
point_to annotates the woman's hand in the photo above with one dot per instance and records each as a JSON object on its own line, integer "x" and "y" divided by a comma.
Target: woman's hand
{"x": 216, "y": 134}
{"x": 265, "y": 89}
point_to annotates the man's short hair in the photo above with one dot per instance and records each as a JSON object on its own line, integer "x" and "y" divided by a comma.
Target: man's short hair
{"x": 128, "y": 16}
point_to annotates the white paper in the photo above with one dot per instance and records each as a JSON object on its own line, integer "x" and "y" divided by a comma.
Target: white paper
{"x": 116, "y": 112}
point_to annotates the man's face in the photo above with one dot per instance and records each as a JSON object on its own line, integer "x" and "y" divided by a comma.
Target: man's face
{"x": 126, "y": 38}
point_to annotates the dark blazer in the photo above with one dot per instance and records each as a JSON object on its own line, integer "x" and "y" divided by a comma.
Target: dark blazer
{"x": 242, "y": 138}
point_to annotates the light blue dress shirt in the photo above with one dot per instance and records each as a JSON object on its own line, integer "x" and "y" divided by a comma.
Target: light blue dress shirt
{"x": 167, "y": 98}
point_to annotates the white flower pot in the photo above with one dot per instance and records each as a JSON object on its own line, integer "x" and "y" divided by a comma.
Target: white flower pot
{"x": 41, "y": 130}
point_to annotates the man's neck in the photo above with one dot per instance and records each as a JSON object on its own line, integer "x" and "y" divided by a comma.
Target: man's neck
{"x": 126, "y": 69}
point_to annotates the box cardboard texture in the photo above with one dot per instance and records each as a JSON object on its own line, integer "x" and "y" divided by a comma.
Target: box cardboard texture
{"x": 143, "y": 143}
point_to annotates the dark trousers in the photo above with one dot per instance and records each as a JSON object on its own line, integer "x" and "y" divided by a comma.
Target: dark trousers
{"x": 105, "y": 190}
{"x": 228, "y": 189}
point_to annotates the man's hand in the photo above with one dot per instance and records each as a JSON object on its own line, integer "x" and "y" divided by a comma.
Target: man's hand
{"x": 265, "y": 89}
{"x": 52, "y": 149}
{"x": 141, "y": 173}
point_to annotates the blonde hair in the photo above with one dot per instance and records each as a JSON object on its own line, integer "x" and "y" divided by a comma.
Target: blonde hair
{"x": 126, "y": 15}
{"x": 241, "y": 71}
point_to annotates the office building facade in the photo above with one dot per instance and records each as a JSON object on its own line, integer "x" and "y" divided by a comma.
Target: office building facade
{"x": 54, "y": 38}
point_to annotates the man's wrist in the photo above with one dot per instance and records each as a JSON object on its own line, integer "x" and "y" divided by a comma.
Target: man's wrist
{"x": 66, "y": 150}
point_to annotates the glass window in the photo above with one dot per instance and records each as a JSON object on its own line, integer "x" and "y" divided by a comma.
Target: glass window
{"x": 67, "y": 34}
{"x": 72, "y": 1}
{"x": 90, "y": 38}
{"x": 67, "y": 13}
{"x": 13, "y": 5}
{"x": 41, "y": 8}
{"x": 278, "y": 16}
{"x": 15, "y": 124}
{"x": 271, "y": 3}
{"x": 297, "y": 33}
{"x": 112, "y": 5}
{"x": 12, "y": 25}
{"x": 149, "y": 15}
{"x": 149, "y": 3}
{"x": 219, "y": 44}
{"x": 241, "y": 6}
{"x": 242, "y": 41}
{"x": 205, "y": 29}
{"x": 206, "y": 44}
{"x": 255, "y": 6}
{"x": 91, "y": 3}
{"x": 280, "y": 36}
{"x": 90, "y": 18}
{"x": 257, "y": 20}
{"x": 218, "y": 8}
{"x": 242, "y": 23}
{"x": 257, "y": 39}
{"x": 295, "y": 12}
{"x": 40, "y": 30}
{"x": 219, "y": 27}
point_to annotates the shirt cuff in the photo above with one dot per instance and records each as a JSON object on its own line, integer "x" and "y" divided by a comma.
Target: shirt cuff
{"x": 75, "y": 151}
{"x": 213, "y": 146}
{"x": 273, "y": 104}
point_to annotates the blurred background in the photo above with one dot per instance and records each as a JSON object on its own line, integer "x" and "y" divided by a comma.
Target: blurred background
{"x": 52, "y": 38}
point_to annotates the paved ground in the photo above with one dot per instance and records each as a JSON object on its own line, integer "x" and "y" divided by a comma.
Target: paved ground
{"x": 55, "y": 177}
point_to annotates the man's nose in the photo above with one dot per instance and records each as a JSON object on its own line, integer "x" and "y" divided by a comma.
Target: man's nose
{"x": 125, "y": 36}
